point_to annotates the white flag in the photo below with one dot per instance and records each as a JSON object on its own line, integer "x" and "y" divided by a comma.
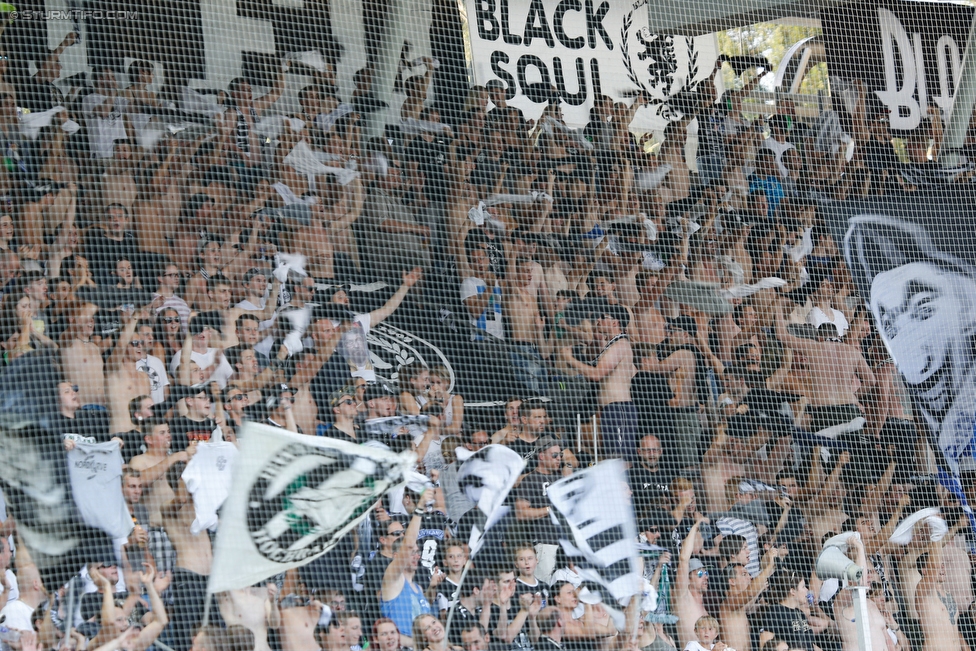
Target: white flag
{"x": 599, "y": 534}
{"x": 293, "y": 498}
{"x": 486, "y": 478}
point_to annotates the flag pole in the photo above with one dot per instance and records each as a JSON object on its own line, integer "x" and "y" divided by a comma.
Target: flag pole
{"x": 455, "y": 600}
{"x": 206, "y": 610}
{"x": 579, "y": 434}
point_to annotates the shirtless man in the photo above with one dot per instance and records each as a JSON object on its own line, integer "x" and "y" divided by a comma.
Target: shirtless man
{"x": 649, "y": 326}
{"x": 123, "y": 381}
{"x": 255, "y": 608}
{"x": 614, "y": 371}
{"x": 194, "y": 557}
{"x": 81, "y": 359}
{"x": 845, "y": 613}
{"x": 153, "y": 464}
{"x": 328, "y": 230}
{"x": 741, "y": 595}
{"x": 680, "y": 367}
{"x": 936, "y": 609}
{"x": 726, "y": 458}
{"x": 834, "y": 366}
{"x": 298, "y": 624}
{"x": 691, "y": 584}
{"x": 530, "y": 345}
{"x": 513, "y": 422}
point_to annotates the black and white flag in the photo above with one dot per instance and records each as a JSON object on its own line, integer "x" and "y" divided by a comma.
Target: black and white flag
{"x": 486, "y": 478}
{"x": 293, "y": 498}
{"x": 599, "y": 534}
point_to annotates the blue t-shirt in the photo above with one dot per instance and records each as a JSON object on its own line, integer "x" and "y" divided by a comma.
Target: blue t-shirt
{"x": 407, "y": 605}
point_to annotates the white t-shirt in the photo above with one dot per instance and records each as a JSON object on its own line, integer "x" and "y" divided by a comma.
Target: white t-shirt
{"x": 220, "y": 375}
{"x": 491, "y": 319}
{"x": 208, "y": 478}
{"x": 14, "y": 587}
{"x": 103, "y": 132}
{"x": 158, "y": 380}
{"x": 817, "y": 316}
{"x": 18, "y": 615}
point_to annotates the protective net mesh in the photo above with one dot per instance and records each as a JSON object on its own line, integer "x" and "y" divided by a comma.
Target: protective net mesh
{"x": 497, "y": 324}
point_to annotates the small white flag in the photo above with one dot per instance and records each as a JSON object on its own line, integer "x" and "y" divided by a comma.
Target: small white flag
{"x": 293, "y": 498}
{"x": 486, "y": 478}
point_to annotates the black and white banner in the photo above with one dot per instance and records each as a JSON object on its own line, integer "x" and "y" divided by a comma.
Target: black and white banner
{"x": 913, "y": 261}
{"x": 908, "y": 54}
{"x": 293, "y": 497}
{"x": 583, "y": 48}
{"x": 599, "y": 534}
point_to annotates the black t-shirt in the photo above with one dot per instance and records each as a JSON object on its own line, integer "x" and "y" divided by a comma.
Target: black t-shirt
{"x": 533, "y": 490}
{"x": 431, "y": 157}
{"x": 90, "y": 423}
{"x": 40, "y": 96}
{"x": 103, "y": 252}
{"x": 373, "y": 576}
{"x": 789, "y": 624}
{"x": 433, "y": 531}
{"x": 183, "y": 431}
{"x": 462, "y": 619}
{"x": 521, "y": 588}
{"x": 648, "y": 487}
{"x": 527, "y": 451}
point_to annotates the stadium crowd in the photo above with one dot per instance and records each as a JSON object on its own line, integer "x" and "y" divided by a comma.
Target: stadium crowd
{"x": 188, "y": 280}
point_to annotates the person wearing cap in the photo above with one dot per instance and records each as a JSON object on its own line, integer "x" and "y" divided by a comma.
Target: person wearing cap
{"x": 280, "y": 412}
{"x": 401, "y": 599}
{"x": 257, "y": 299}
{"x": 531, "y": 503}
{"x": 690, "y": 585}
{"x": 198, "y": 424}
{"x": 344, "y": 411}
{"x": 381, "y": 400}
{"x": 614, "y": 370}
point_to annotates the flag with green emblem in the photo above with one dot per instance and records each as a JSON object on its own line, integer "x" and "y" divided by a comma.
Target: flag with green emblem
{"x": 293, "y": 498}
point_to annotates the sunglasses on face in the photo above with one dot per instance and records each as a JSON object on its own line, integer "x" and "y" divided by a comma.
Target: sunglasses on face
{"x": 136, "y": 343}
{"x": 347, "y": 401}
{"x": 701, "y": 573}
{"x": 170, "y": 319}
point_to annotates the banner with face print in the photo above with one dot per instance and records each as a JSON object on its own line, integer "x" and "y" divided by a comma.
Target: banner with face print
{"x": 914, "y": 264}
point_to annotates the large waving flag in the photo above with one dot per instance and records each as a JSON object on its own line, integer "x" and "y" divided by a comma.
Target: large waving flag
{"x": 293, "y": 498}
{"x": 599, "y": 534}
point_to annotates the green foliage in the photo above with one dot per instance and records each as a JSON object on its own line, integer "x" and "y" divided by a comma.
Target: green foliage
{"x": 771, "y": 40}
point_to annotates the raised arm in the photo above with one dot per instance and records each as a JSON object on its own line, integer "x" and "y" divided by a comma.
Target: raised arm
{"x": 410, "y": 278}
{"x": 757, "y": 585}
{"x": 684, "y": 559}
{"x": 265, "y": 101}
